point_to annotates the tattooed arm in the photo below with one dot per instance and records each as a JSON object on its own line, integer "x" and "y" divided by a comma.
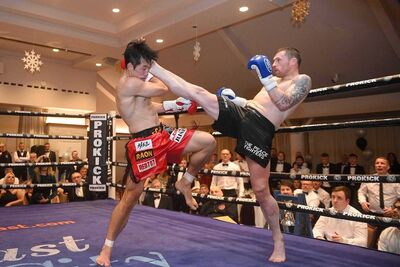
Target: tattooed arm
{"x": 286, "y": 96}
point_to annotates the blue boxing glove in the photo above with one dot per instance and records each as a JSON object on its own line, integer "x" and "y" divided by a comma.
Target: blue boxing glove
{"x": 229, "y": 94}
{"x": 264, "y": 70}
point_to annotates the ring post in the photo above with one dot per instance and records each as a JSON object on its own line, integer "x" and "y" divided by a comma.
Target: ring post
{"x": 111, "y": 189}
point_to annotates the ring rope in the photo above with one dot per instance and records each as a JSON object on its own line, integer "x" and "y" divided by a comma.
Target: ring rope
{"x": 346, "y": 178}
{"x": 335, "y": 125}
{"x": 48, "y": 185}
{"x": 391, "y": 79}
{"x": 41, "y": 114}
{"x": 33, "y": 164}
{"x": 43, "y": 136}
{"x": 313, "y": 127}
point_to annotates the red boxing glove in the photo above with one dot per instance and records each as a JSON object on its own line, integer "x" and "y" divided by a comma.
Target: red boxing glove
{"x": 180, "y": 104}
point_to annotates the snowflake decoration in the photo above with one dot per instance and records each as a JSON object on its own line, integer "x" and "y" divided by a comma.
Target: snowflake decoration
{"x": 32, "y": 61}
{"x": 196, "y": 51}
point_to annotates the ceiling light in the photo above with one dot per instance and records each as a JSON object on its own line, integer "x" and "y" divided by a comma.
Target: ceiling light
{"x": 243, "y": 9}
{"x": 115, "y": 10}
{"x": 56, "y": 50}
{"x": 99, "y": 64}
{"x": 159, "y": 41}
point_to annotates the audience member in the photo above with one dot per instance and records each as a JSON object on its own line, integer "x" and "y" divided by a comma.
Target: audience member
{"x": 312, "y": 198}
{"x": 323, "y": 196}
{"x": 278, "y": 166}
{"x": 157, "y": 200}
{"x": 325, "y": 167}
{"x": 213, "y": 208}
{"x": 11, "y": 197}
{"x": 71, "y": 169}
{"x": 340, "y": 230}
{"x": 49, "y": 154}
{"x": 343, "y": 163}
{"x": 394, "y": 165}
{"x": 5, "y": 157}
{"x": 299, "y": 167}
{"x": 21, "y": 156}
{"x": 353, "y": 168}
{"x": 286, "y": 217}
{"x": 46, "y": 195}
{"x": 389, "y": 240}
{"x": 378, "y": 198}
{"x": 80, "y": 193}
{"x": 243, "y": 168}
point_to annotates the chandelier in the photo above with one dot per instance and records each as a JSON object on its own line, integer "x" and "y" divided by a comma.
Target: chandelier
{"x": 300, "y": 10}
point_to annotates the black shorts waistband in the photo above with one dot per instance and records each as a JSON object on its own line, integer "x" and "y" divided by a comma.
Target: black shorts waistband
{"x": 264, "y": 120}
{"x": 147, "y": 132}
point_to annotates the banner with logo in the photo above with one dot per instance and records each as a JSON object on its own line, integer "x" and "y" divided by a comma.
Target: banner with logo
{"x": 98, "y": 151}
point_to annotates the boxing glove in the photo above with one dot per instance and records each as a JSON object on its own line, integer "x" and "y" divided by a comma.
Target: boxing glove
{"x": 229, "y": 94}
{"x": 263, "y": 67}
{"x": 179, "y": 105}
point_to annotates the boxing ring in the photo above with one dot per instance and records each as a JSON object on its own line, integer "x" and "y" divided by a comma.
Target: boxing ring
{"x": 72, "y": 234}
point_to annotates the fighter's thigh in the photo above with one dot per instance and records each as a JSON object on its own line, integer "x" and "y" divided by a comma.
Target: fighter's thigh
{"x": 133, "y": 190}
{"x": 199, "y": 141}
{"x": 208, "y": 102}
{"x": 259, "y": 176}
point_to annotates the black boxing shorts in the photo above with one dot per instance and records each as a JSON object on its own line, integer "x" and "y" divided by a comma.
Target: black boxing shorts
{"x": 254, "y": 132}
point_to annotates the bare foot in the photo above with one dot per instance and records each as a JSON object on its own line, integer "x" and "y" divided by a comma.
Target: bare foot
{"x": 104, "y": 258}
{"x": 278, "y": 255}
{"x": 184, "y": 187}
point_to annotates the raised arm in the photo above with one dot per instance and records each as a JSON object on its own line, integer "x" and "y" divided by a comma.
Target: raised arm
{"x": 132, "y": 86}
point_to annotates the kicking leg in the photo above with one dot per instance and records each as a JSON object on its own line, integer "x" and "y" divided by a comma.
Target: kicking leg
{"x": 119, "y": 219}
{"x": 259, "y": 177}
{"x": 180, "y": 87}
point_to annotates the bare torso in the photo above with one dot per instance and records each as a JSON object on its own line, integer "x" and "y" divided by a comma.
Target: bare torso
{"x": 138, "y": 112}
{"x": 263, "y": 103}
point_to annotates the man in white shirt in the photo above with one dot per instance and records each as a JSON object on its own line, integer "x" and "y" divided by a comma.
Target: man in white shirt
{"x": 340, "y": 230}
{"x": 324, "y": 196}
{"x": 312, "y": 198}
{"x": 369, "y": 194}
{"x": 231, "y": 186}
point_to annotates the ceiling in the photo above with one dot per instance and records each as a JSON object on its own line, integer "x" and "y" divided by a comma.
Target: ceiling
{"x": 353, "y": 39}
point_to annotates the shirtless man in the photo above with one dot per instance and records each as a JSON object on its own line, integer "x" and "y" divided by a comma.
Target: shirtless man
{"x": 253, "y": 122}
{"x": 151, "y": 147}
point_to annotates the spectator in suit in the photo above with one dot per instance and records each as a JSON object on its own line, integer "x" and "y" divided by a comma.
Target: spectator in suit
{"x": 339, "y": 230}
{"x": 46, "y": 195}
{"x": 213, "y": 208}
{"x": 157, "y": 200}
{"x": 5, "y": 157}
{"x": 343, "y": 163}
{"x": 71, "y": 169}
{"x": 326, "y": 167}
{"x": 354, "y": 168}
{"x": 21, "y": 156}
{"x": 278, "y": 166}
{"x": 50, "y": 154}
{"x": 81, "y": 193}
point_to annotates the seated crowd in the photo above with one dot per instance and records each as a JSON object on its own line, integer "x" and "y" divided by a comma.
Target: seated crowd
{"x": 382, "y": 199}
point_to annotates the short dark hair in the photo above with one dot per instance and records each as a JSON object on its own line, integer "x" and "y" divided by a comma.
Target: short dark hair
{"x": 291, "y": 52}
{"x": 324, "y": 155}
{"x": 353, "y": 155}
{"x": 287, "y": 183}
{"x": 138, "y": 49}
{"x": 345, "y": 189}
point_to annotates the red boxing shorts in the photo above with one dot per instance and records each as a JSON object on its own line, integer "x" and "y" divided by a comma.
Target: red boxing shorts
{"x": 149, "y": 150}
